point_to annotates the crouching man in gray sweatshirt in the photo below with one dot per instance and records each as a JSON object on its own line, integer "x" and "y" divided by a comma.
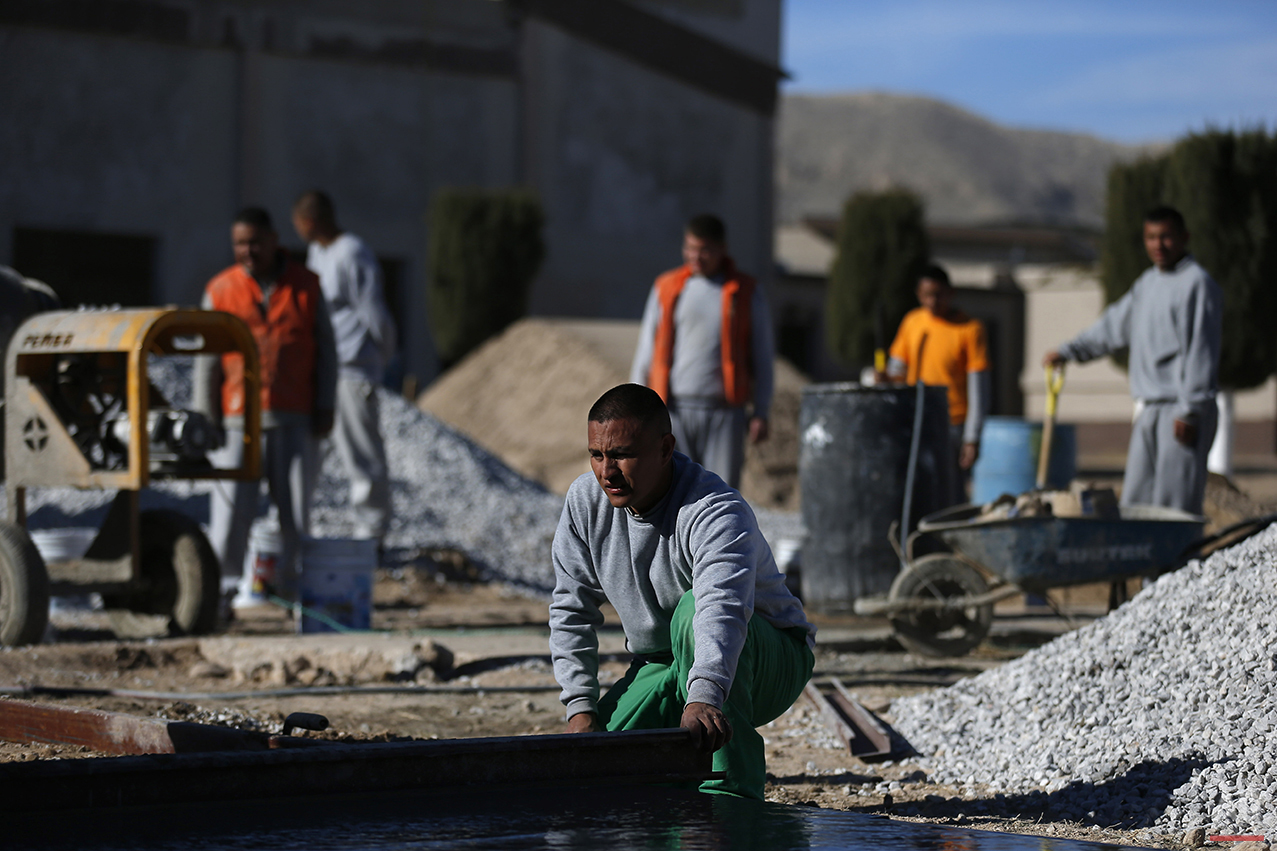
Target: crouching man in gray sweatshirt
{"x": 720, "y": 645}
{"x": 1172, "y": 320}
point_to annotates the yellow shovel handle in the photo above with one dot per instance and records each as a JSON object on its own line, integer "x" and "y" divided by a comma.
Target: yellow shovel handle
{"x": 1054, "y": 384}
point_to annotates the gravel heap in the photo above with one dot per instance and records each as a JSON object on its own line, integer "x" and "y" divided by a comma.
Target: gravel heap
{"x": 446, "y": 493}
{"x": 1160, "y": 715}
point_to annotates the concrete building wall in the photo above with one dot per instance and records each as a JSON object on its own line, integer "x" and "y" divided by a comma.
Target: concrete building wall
{"x": 621, "y": 156}
{"x": 381, "y": 141}
{"x": 120, "y": 136}
{"x": 750, "y": 26}
{"x": 164, "y": 129}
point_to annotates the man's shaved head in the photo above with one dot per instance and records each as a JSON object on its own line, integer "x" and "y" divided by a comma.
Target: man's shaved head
{"x": 316, "y": 206}
{"x": 632, "y": 402}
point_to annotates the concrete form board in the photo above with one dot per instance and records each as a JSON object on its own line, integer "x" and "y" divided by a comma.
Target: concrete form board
{"x": 640, "y": 756}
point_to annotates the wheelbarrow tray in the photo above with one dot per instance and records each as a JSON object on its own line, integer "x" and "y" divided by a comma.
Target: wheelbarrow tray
{"x": 1037, "y": 553}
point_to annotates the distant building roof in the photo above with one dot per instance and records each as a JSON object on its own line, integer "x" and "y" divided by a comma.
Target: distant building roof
{"x": 808, "y": 248}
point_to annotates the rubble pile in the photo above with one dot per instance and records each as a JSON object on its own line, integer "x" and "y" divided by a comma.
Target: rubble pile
{"x": 447, "y": 493}
{"x": 1160, "y": 715}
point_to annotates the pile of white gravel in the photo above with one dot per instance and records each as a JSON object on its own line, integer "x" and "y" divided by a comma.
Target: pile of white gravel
{"x": 446, "y": 493}
{"x": 1161, "y": 715}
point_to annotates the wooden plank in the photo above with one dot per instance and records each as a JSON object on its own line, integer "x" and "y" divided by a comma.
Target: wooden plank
{"x": 638, "y": 756}
{"x": 117, "y": 733}
{"x": 861, "y": 731}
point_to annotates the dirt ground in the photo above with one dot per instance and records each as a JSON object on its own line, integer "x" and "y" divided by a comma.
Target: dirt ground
{"x": 472, "y": 660}
{"x": 496, "y": 670}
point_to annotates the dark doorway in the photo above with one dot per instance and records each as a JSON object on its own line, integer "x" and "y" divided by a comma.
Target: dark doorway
{"x": 88, "y": 268}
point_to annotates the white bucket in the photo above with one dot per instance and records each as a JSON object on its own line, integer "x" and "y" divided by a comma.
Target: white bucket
{"x": 263, "y": 568}
{"x": 63, "y": 544}
{"x": 336, "y": 583}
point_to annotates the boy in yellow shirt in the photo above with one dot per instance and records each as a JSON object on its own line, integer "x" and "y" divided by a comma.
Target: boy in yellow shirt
{"x": 955, "y": 355}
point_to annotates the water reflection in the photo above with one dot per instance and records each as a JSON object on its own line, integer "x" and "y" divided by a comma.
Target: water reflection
{"x": 560, "y": 819}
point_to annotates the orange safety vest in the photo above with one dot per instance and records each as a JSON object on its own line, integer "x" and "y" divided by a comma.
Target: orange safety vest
{"x": 285, "y": 333}
{"x": 738, "y": 295}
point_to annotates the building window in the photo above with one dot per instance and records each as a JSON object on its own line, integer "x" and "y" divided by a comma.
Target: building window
{"x": 88, "y": 268}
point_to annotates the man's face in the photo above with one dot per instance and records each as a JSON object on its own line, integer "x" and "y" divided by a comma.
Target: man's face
{"x": 630, "y": 462}
{"x": 704, "y": 256}
{"x": 935, "y": 297}
{"x": 1165, "y": 243}
{"x": 305, "y": 227}
{"x": 254, "y": 248}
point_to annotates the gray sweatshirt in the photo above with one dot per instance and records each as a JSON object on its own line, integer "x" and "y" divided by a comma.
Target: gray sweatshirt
{"x": 350, "y": 278}
{"x": 1173, "y": 324}
{"x": 702, "y": 536}
{"x": 697, "y": 367}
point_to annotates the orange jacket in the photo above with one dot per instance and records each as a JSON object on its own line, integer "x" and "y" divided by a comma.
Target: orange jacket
{"x": 285, "y": 333}
{"x": 738, "y": 294}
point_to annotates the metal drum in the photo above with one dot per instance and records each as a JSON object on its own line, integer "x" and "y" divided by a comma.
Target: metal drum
{"x": 851, "y": 468}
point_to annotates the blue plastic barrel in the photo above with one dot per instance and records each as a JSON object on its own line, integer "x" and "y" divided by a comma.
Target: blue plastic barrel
{"x": 1008, "y": 463}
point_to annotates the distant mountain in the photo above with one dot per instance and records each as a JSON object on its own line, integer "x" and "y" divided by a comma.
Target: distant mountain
{"x": 967, "y": 169}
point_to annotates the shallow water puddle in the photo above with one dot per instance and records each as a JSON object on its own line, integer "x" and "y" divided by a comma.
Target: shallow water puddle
{"x": 617, "y": 818}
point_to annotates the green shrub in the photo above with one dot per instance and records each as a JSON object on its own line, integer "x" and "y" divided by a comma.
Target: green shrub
{"x": 882, "y": 248}
{"x": 485, "y": 248}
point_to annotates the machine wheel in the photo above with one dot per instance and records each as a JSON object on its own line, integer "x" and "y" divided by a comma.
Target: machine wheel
{"x": 24, "y": 588}
{"x": 180, "y": 581}
{"x": 941, "y": 633}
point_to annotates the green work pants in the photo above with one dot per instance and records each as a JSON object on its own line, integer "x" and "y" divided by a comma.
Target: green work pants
{"x": 774, "y": 667}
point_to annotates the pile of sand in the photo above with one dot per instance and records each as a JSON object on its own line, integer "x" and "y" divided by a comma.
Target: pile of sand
{"x": 524, "y": 396}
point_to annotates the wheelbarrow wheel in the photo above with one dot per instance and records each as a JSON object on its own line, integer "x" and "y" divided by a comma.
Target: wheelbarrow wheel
{"x": 949, "y": 632}
{"x": 24, "y": 588}
{"x": 180, "y": 581}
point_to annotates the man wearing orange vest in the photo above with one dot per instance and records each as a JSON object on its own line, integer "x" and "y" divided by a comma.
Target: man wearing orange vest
{"x": 284, "y": 308}
{"x": 705, "y": 346}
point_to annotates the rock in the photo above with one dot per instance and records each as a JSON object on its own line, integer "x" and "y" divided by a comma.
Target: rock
{"x": 343, "y": 659}
{"x": 208, "y": 671}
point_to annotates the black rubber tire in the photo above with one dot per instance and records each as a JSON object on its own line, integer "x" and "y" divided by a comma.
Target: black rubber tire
{"x": 935, "y": 633}
{"x": 181, "y": 581}
{"x": 24, "y": 588}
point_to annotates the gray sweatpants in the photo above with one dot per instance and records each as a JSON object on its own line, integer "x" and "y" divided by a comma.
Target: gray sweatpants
{"x": 290, "y": 463}
{"x": 711, "y": 435}
{"x": 1159, "y": 469}
{"x": 357, "y": 439}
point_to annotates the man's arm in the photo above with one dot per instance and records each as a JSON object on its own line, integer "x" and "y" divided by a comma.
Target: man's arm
{"x": 325, "y": 372}
{"x": 1200, "y": 358}
{"x": 977, "y": 407}
{"x": 763, "y": 354}
{"x": 368, "y": 297}
{"x": 1112, "y": 331}
{"x": 642, "y": 365}
{"x": 575, "y": 617}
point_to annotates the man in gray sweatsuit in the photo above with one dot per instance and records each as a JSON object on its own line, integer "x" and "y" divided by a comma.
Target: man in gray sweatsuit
{"x": 720, "y": 645}
{"x": 1172, "y": 321}
{"x": 364, "y": 330}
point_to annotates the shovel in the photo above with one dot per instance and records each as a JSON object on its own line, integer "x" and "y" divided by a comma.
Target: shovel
{"x": 1054, "y": 384}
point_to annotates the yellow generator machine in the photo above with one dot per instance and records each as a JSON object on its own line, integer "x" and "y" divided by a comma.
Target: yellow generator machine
{"x": 80, "y": 411}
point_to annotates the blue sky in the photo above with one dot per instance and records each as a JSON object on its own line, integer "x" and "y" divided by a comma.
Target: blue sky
{"x": 1129, "y": 70}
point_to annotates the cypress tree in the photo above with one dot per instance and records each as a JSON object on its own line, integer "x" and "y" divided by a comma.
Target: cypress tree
{"x": 1225, "y": 184}
{"x": 484, "y": 249}
{"x": 882, "y": 248}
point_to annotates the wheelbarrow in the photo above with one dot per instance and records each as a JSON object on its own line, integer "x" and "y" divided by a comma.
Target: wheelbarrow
{"x": 957, "y": 565}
